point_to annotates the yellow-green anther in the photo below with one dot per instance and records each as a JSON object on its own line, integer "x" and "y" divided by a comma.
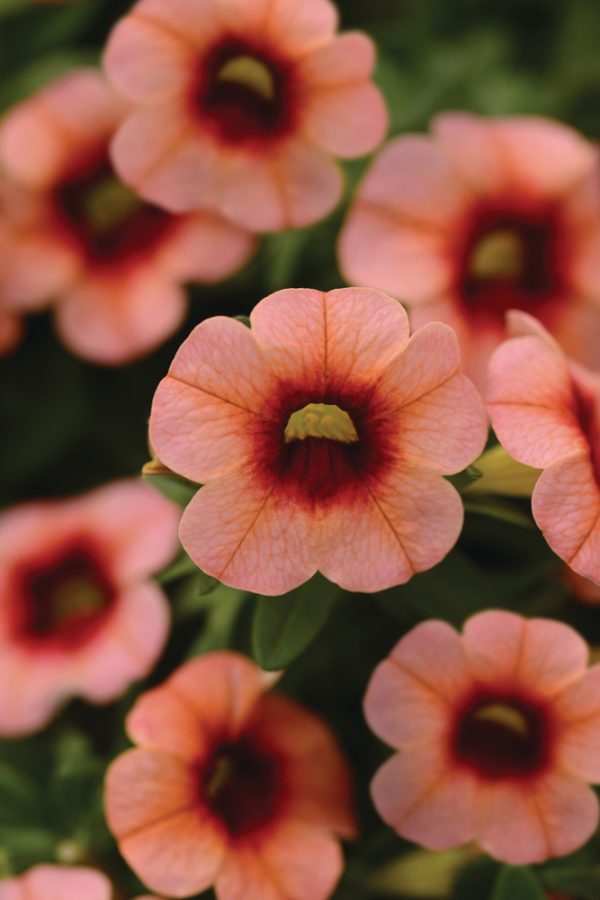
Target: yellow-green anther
{"x": 503, "y": 714}
{"x": 498, "y": 255}
{"x": 321, "y": 420}
{"x": 250, "y": 72}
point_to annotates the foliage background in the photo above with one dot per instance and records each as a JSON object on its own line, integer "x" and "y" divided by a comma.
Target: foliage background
{"x": 67, "y": 426}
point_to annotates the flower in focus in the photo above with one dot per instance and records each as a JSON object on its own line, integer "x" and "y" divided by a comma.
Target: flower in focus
{"x": 78, "y": 613}
{"x": 481, "y": 217}
{"x": 241, "y": 106}
{"x": 545, "y": 410}
{"x": 230, "y": 786}
{"x": 321, "y": 435}
{"x": 499, "y": 734}
{"x": 114, "y": 264}
{"x": 46, "y": 882}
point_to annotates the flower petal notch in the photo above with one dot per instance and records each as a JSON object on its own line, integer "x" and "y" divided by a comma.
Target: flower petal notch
{"x": 230, "y": 786}
{"x": 79, "y": 615}
{"x": 462, "y": 225}
{"x": 545, "y": 410}
{"x": 114, "y": 265}
{"x": 321, "y": 435}
{"x": 497, "y": 732}
{"x": 242, "y": 107}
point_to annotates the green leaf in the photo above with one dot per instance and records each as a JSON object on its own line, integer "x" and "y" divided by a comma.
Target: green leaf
{"x": 517, "y": 883}
{"x": 183, "y": 566}
{"x": 222, "y": 606}
{"x": 284, "y": 626}
{"x": 580, "y": 881}
{"x": 284, "y": 254}
{"x": 498, "y": 508}
{"x": 180, "y": 490}
{"x": 463, "y": 479}
{"x": 19, "y": 803}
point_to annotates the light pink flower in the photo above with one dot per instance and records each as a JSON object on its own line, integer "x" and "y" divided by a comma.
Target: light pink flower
{"x": 48, "y": 882}
{"x": 231, "y": 786}
{"x": 321, "y": 435}
{"x": 242, "y": 105}
{"x": 498, "y": 733}
{"x": 483, "y": 216}
{"x": 114, "y": 265}
{"x": 78, "y": 612}
{"x": 545, "y": 410}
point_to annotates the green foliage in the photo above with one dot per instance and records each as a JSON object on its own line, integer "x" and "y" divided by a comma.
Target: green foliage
{"x": 517, "y": 883}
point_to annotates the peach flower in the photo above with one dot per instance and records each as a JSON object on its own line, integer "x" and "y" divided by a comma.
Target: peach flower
{"x": 499, "y": 734}
{"x": 483, "y": 216}
{"x": 242, "y": 105}
{"x": 545, "y": 410}
{"x": 114, "y": 264}
{"x": 231, "y": 786}
{"x": 78, "y": 613}
{"x": 321, "y": 435}
{"x": 47, "y": 882}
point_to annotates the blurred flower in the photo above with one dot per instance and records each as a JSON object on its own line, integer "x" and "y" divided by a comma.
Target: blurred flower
{"x": 113, "y": 263}
{"x": 47, "y": 882}
{"x": 242, "y": 105}
{"x": 231, "y": 786}
{"x": 323, "y": 432}
{"x": 11, "y": 326}
{"x": 498, "y": 732}
{"x": 78, "y": 613}
{"x": 545, "y": 410}
{"x": 479, "y": 218}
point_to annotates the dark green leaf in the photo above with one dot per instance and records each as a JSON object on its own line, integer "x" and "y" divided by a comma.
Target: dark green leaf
{"x": 499, "y": 508}
{"x": 517, "y": 883}
{"x": 579, "y": 881}
{"x": 180, "y": 490}
{"x": 466, "y": 477}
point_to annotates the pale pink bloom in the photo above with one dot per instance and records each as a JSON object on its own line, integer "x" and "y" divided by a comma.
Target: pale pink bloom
{"x": 231, "y": 786}
{"x": 483, "y": 216}
{"x": 79, "y": 615}
{"x": 47, "y": 882}
{"x": 321, "y": 436}
{"x": 114, "y": 265}
{"x": 498, "y": 733}
{"x": 545, "y": 410}
{"x": 242, "y": 106}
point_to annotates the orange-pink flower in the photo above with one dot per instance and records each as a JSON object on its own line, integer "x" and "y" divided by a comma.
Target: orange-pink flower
{"x": 47, "y": 882}
{"x": 321, "y": 435}
{"x": 545, "y": 410}
{"x": 242, "y": 105}
{"x": 231, "y": 786}
{"x": 499, "y": 734}
{"x": 78, "y": 613}
{"x": 580, "y": 588}
{"x": 114, "y": 265}
{"x": 480, "y": 217}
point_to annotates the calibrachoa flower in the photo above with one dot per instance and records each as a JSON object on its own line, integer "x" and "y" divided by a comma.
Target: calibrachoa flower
{"x": 545, "y": 410}
{"x": 499, "y": 734}
{"x": 78, "y": 613}
{"x": 321, "y": 435}
{"x": 231, "y": 786}
{"x": 481, "y": 217}
{"x": 114, "y": 264}
{"x": 242, "y": 106}
{"x": 46, "y": 882}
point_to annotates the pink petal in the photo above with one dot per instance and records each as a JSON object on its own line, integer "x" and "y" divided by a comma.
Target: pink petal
{"x": 566, "y": 506}
{"x": 299, "y": 28}
{"x": 475, "y": 150}
{"x": 578, "y": 709}
{"x": 249, "y": 537}
{"x": 578, "y": 330}
{"x": 242, "y": 15}
{"x": 348, "y": 121}
{"x": 347, "y": 59}
{"x": 207, "y": 248}
{"x": 530, "y": 401}
{"x": 38, "y": 268}
{"x": 47, "y": 882}
{"x": 37, "y": 692}
{"x": 194, "y": 20}
{"x": 538, "y": 654}
{"x": 215, "y": 397}
{"x": 423, "y": 800}
{"x": 397, "y": 527}
{"x": 11, "y": 332}
{"x": 161, "y": 719}
{"x": 298, "y": 862}
{"x": 299, "y": 329}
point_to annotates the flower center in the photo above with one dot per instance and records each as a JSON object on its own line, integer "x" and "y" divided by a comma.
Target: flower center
{"x": 249, "y": 72}
{"x": 241, "y": 786}
{"x": 501, "y": 736}
{"x": 498, "y": 255}
{"x": 321, "y": 420}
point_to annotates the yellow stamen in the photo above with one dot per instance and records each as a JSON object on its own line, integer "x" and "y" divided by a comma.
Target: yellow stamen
{"x": 498, "y": 255}
{"x": 503, "y": 714}
{"x": 321, "y": 420}
{"x": 249, "y": 72}
{"x": 224, "y": 768}
{"x": 109, "y": 204}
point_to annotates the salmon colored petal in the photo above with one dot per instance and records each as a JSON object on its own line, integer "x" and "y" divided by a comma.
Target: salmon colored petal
{"x": 347, "y": 59}
{"x": 472, "y": 144}
{"x": 566, "y": 506}
{"x": 415, "y": 182}
{"x": 578, "y": 709}
{"x": 249, "y": 537}
{"x": 585, "y": 271}
{"x": 407, "y": 524}
{"x": 348, "y": 121}
{"x": 113, "y": 320}
{"x": 194, "y": 20}
{"x": 37, "y": 692}
{"x": 528, "y": 824}
{"x": 151, "y": 808}
{"x": 300, "y": 28}
{"x": 431, "y": 358}
{"x": 39, "y": 268}
{"x": 540, "y": 654}
{"x": 530, "y": 398}
{"x": 243, "y": 16}
{"x": 46, "y": 882}
{"x": 149, "y": 62}
{"x": 319, "y": 792}
{"x": 207, "y": 249}
{"x": 11, "y": 332}
{"x": 218, "y": 390}
{"x": 305, "y": 334}
{"x": 424, "y": 801}
{"x": 296, "y": 863}
{"x": 578, "y": 331}
{"x": 163, "y": 719}
{"x": 378, "y": 251}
